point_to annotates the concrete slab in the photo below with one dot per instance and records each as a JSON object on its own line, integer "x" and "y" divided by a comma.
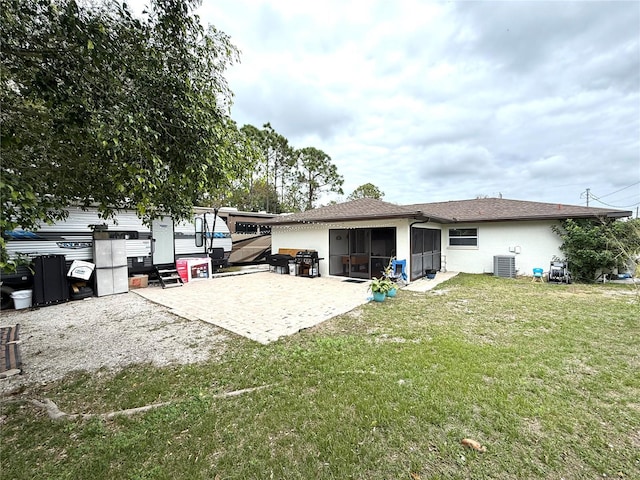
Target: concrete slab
{"x": 425, "y": 284}
{"x": 262, "y": 305}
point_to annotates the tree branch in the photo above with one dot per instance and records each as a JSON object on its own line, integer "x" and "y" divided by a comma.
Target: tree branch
{"x": 54, "y": 412}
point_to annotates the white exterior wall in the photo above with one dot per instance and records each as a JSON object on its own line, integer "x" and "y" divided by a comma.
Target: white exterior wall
{"x": 75, "y": 230}
{"x": 315, "y": 236}
{"x": 403, "y": 242}
{"x": 303, "y": 237}
{"x": 535, "y": 242}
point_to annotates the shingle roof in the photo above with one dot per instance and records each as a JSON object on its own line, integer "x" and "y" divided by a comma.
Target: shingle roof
{"x": 497, "y": 209}
{"x": 360, "y": 209}
{"x": 476, "y": 210}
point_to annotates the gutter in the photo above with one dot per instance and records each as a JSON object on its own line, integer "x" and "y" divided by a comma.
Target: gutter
{"x": 421, "y": 221}
{"x": 383, "y": 216}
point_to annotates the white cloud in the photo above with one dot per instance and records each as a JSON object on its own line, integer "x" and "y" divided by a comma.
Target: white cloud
{"x": 440, "y": 101}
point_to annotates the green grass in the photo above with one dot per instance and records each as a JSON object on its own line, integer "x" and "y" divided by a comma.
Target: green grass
{"x": 546, "y": 376}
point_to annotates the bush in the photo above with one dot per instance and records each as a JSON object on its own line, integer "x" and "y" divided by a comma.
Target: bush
{"x": 593, "y": 245}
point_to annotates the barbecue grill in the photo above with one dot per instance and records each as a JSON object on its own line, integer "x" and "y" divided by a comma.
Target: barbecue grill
{"x": 280, "y": 260}
{"x": 308, "y": 263}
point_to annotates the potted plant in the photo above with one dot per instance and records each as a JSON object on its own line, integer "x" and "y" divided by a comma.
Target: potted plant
{"x": 380, "y": 287}
{"x": 387, "y": 274}
{"x": 393, "y": 289}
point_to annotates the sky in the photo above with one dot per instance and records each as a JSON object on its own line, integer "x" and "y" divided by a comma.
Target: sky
{"x": 434, "y": 101}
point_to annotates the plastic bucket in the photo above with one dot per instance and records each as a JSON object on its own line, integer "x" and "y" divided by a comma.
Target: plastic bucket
{"x": 21, "y": 299}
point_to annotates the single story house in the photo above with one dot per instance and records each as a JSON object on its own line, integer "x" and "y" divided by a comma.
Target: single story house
{"x": 357, "y": 238}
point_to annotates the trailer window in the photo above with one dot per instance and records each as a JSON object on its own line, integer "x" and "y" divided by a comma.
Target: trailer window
{"x": 199, "y": 232}
{"x": 242, "y": 227}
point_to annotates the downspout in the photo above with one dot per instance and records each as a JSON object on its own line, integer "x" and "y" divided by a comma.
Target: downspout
{"x": 421, "y": 221}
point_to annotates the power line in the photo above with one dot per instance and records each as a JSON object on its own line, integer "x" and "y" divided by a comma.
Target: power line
{"x": 623, "y": 188}
{"x": 613, "y": 206}
{"x": 597, "y": 198}
{"x": 628, "y": 198}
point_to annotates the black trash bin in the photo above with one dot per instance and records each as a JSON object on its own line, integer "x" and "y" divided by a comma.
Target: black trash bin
{"x": 50, "y": 284}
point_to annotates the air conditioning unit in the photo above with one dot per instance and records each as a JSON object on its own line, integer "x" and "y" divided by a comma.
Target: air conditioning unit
{"x": 504, "y": 266}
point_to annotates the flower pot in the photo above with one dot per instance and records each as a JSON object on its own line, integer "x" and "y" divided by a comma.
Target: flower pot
{"x": 379, "y": 296}
{"x": 392, "y": 292}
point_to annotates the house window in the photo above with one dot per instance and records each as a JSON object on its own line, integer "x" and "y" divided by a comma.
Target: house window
{"x": 463, "y": 237}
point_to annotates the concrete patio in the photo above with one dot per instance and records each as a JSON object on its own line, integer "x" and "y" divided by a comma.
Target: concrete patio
{"x": 265, "y": 306}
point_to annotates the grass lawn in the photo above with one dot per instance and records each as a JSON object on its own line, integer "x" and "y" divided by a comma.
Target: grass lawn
{"x": 547, "y": 377}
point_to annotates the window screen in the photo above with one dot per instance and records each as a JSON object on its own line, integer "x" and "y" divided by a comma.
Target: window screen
{"x": 463, "y": 237}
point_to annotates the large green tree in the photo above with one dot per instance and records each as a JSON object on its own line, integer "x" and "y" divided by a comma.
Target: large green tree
{"x": 100, "y": 107}
{"x": 316, "y": 173}
{"x": 279, "y": 159}
{"x": 274, "y": 166}
{"x": 367, "y": 190}
{"x": 282, "y": 178}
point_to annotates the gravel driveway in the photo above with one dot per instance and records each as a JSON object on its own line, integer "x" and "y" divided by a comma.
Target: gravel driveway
{"x": 107, "y": 332}
{"x": 116, "y": 331}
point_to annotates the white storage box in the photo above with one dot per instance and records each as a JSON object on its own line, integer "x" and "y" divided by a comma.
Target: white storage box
{"x": 81, "y": 270}
{"x": 191, "y": 269}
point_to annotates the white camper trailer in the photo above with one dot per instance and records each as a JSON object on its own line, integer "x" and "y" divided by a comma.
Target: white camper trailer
{"x": 146, "y": 247}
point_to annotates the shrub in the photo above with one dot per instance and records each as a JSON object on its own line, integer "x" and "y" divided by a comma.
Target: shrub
{"x": 593, "y": 245}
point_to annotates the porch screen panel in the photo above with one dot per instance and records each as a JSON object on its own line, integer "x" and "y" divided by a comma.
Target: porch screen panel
{"x": 360, "y": 253}
{"x": 416, "y": 253}
{"x": 425, "y": 251}
{"x": 383, "y": 247}
{"x": 339, "y": 252}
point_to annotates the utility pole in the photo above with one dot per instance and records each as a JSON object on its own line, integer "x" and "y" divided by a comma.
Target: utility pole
{"x": 588, "y": 190}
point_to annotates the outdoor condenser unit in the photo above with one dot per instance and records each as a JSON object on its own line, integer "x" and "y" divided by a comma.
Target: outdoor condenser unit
{"x": 504, "y": 266}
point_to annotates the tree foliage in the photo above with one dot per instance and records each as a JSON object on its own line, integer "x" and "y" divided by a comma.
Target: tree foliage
{"x": 282, "y": 178}
{"x": 367, "y": 190}
{"x": 100, "y": 107}
{"x": 316, "y": 173}
{"x": 591, "y": 245}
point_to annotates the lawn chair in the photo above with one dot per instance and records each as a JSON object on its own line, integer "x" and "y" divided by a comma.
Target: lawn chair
{"x": 398, "y": 271}
{"x": 537, "y": 275}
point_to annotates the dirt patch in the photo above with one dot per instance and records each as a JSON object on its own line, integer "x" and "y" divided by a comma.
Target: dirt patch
{"x": 107, "y": 332}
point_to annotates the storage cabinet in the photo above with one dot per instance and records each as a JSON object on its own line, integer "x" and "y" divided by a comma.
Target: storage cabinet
{"x": 111, "y": 274}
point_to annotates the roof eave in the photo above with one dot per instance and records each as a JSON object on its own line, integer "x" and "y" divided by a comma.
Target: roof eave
{"x": 612, "y": 214}
{"x": 354, "y": 218}
{"x": 620, "y": 214}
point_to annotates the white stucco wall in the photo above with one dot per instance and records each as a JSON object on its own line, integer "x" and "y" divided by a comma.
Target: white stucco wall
{"x": 316, "y": 237}
{"x": 535, "y": 242}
